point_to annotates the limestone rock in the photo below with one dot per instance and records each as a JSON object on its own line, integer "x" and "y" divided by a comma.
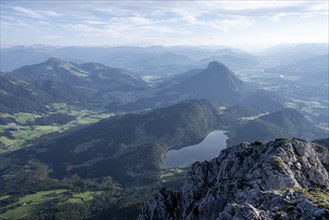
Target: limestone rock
{"x": 283, "y": 179}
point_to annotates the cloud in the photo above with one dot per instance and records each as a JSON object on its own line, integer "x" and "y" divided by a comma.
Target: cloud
{"x": 248, "y": 8}
{"x": 237, "y": 22}
{"x": 251, "y": 6}
{"x": 112, "y": 11}
{"x": 44, "y": 23}
{"x": 49, "y": 13}
{"x": 29, "y": 13}
{"x": 82, "y": 28}
{"x": 278, "y": 17}
{"x": 321, "y": 7}
{"x": 224, "y": 24}
{"x": 307, "y": 15}
{"x": 135, "y": 21}
{"x": 163, "y": 22}
{"x": 51, "y": 36}
{"x": 119, "y": 26}
{"x": 36, "y": 14}
{"x": 9, "y": 21}
{"x": 94, "y": 22}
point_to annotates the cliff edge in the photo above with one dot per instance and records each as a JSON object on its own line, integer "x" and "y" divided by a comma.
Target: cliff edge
{"x": 283, "y": 179}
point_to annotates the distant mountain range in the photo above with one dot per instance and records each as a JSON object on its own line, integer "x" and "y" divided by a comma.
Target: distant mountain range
{"x": 31, "y": 88}
{"x": 91, "y": 75}
{"x": 215, "y": 82}
{"x": 119, "y": 89}
{"x": 312, "y": 71}
{"x": 288, "y": 54}
{"x": 157, "y": 61}
{"x": 62, "y": 81}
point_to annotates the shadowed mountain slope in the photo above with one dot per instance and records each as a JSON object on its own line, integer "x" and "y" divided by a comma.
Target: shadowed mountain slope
{"x": 127, "y": 147}
{"x": 20, "y": 96}
{"x": 285, "y": 123}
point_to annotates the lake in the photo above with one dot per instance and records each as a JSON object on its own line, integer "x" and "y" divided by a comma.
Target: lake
{"x": 207, "y": 149}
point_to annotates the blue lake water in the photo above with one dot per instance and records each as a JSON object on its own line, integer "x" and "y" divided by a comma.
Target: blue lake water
{"x": 209, "y": 148}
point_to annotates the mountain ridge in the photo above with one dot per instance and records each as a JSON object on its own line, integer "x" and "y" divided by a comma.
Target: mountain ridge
{"x": 52, "y": 69}
{"x": 153, "y": 60}
{"x": 215, "y": 82}
{"x": 20, "y": 95}
{"x": 94, "y": 81}
{"x": 78, "y": 74}
{"x": 285, "y": 123}
{"x": 17, "y": 95}
{"x": 281, "y": 179}
{"x": 123, "y": 141}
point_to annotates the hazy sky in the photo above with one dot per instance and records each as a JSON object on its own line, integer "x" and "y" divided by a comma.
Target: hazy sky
{"x": 249, "y": 25}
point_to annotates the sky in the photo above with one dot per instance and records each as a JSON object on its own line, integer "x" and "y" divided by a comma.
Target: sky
{"x": 249, "y": 25}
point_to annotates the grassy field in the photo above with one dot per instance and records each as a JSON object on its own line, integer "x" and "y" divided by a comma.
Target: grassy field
{"x": 30, "y": 204}
{"x": 23, "y": 117}
{"x": 4, "y": 197}
{"x": 23, "y": 133}
{"x": 84, "y": 197}
{"x": 33, "y": 203}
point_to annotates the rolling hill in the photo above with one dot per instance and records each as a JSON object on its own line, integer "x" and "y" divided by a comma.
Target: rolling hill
{"x": 91, "y": 75}
{"x": 285, "y": 123}
{"x": 128, "y": 147}
{"x": 18, "y": 95}
{"x": 21, "y": 96}
{"x": 81, "y": 83}
{"x": 52, "y": 69}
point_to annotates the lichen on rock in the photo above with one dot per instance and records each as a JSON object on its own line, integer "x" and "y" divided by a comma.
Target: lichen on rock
{"x": 283, "y": 179}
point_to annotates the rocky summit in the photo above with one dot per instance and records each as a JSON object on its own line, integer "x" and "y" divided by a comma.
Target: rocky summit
{"x": 283, "y": 179}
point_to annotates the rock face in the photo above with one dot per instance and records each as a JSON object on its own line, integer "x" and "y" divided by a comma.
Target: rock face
{"x": 283, "y": 179}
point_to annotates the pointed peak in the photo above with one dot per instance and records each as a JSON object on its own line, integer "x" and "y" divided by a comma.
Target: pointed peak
{"x": 216, "y": 64}
{"x": 55, "y": 60}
